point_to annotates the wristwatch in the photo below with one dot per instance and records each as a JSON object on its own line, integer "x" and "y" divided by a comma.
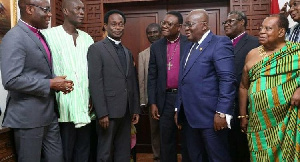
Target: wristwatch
{"x": 221, "y": 115}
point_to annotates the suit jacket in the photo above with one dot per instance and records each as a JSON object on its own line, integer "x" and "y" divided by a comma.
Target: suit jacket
{"x": 157, "y": 72}
{"x": 144, "y": 57}
{"x": 241, "y": 49}
{"x": 207, "y": 82}
{"x": 112, "y": 90}
{"x": 26, "y": 71}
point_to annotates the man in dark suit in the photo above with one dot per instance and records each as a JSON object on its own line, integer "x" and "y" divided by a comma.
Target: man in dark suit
{"x": 206, "y": 89}
{"x": 235, "y": 29}
{"x": 26, "y": 68}
{"x": 114, "y": 90}
{"x": 163, "y": 72}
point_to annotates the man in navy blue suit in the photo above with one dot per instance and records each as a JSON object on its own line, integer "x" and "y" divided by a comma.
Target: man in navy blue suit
{"x": 206, "y": 89}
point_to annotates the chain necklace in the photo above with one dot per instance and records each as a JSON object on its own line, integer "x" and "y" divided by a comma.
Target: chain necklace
{"x": 262, "y": 52}
{"x": 170, "y": 58}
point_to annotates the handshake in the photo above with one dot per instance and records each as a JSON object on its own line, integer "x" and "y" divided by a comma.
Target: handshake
{"x": 60, "y": 83}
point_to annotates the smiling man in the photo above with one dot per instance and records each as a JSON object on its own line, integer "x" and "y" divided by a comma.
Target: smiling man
{"x": 292, "y": 33}
{"x": 26, "y": 69}
{"x": 206, "y": 89}
{"x": 165, "y": 55}
{"x": 114, "y": 90}
{"x": 235, "y": 29}
{"x": 69, "y": 47}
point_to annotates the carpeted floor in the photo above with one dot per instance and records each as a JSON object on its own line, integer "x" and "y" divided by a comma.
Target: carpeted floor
{"x": 144, "y": 157}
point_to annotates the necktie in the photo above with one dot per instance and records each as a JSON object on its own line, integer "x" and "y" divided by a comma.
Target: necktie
{"x": 121, "y": 55}
{"x": 39, "y": 35}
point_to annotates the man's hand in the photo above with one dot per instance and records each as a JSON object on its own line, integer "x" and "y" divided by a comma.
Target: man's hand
{"x": 154, "y": 112}
{"x": 91, "y": 107}
{"x": 283, "y": 10}
{"x": 60, "y": 83}
{"x": 295, "y": 101}
{"x": 176, "y": 121}
{"x": 104, "y": 122}
{"x": 244, "y": 124}
{"x": 135, "y": 118}
{"x": 219, "y": 123}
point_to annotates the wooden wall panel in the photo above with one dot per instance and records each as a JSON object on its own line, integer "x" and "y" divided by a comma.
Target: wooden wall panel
{"x": 256, "y": 11}
{"x": 93, "y": 19}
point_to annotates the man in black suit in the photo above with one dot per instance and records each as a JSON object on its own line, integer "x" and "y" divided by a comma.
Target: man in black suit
{"x": 114, "y": 90}
{"x": 165, "y": 55}
{"x": 234, "y": 28}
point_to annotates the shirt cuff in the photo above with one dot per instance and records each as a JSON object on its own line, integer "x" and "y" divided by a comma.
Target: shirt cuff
{"x": 228, "y": 119}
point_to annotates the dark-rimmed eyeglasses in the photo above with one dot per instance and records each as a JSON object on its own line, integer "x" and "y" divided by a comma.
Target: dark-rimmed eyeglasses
{"x": 229, "y": 21}
{"x": 191, "y": 24}
{"x": 168, "y": 24}
{"x": 45, "y": 9}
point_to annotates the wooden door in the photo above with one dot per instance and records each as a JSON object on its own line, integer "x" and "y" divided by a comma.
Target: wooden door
{"x": 138, "y": 17}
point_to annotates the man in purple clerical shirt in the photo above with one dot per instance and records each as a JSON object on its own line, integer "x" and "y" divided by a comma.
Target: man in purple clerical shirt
{"x": 165, "y": 55}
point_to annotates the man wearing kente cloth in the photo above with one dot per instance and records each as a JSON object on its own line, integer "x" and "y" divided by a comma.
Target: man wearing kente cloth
{"x": 271, "y": 79}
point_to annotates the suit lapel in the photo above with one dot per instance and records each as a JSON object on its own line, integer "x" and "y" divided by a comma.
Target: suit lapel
{"x": 164, "y": 55}
{"x": 196, "y": 53}
{"x": 111, "y": 49}
{"x": 242, "y": 42}
{"x": 127, "y": 59}
{"x": 36, "y": 41}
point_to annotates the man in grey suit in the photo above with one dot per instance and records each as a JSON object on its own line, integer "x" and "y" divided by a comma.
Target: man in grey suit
{"x": 235, "y": 29}
{"x": 26, "y": 69}
{"x": 114, "y": 90}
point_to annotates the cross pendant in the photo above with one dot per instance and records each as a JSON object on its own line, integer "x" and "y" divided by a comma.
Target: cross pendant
{"x": 169, "y": 65}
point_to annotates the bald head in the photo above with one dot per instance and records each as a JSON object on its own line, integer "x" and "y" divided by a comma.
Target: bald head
{"x": 196, "y": 25}
{"x": 69, "y": 3}
{"x": 201, "y": 13}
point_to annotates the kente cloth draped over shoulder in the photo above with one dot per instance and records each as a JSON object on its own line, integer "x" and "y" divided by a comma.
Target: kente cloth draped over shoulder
{"x": 274, "y": 125}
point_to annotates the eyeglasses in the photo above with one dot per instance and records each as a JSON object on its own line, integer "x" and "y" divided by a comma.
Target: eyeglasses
{"x": 229, "y": 21}
{"x": 191, "y": 24}
{"x": 45, "y": 9}
{"x": 295, "y": 4}
{"x": 167, "y": 24}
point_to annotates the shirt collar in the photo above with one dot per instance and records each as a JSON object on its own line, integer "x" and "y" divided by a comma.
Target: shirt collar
{"x": 33, "y": 29}
{"x": 174, "y": 41}
{"x": 115, "y": 41}
{"x": 238, "y": 36}
{"x": 203, "y": 37}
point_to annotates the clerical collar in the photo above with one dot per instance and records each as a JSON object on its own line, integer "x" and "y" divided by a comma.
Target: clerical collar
{"x": 238, "y": 36}
{"x": 33, "y": 29}
{"x": 174, "y": 40}
{"x": 115, "y": 41}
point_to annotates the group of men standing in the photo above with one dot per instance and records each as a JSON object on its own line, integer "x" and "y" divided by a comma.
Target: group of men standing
{"x": 187, "y": 82}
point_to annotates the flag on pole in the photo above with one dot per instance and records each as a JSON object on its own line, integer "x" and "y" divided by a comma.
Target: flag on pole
{"x": 274, "y": 7}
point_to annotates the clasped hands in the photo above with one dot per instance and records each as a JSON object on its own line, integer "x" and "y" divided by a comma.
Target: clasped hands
{"x": 60, "y": 83}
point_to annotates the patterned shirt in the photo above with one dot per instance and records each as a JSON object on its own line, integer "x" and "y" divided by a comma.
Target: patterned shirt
{"x": 71, "y": 60}
{"x": 293, "y": 34}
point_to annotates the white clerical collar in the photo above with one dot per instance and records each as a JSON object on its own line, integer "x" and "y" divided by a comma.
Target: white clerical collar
{"x": 29, "y": 25}
{"x": 116, "y": 42}
{"x": 238, "y": 36}
{"x": 202, "y": 39}
{"x": 173, "y": 41}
